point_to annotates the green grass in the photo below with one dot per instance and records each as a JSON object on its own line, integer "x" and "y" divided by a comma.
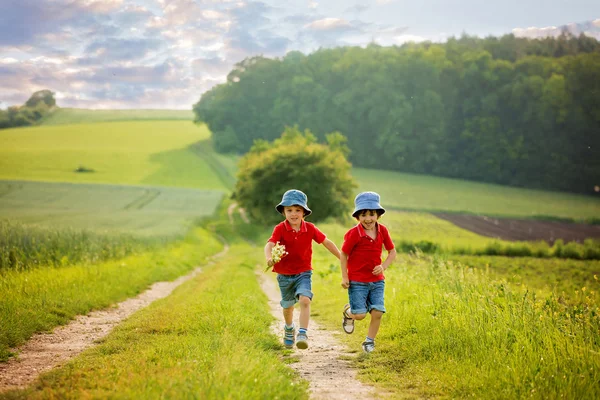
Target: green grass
{"x": 39, "y": 299}
{"x": 565, "y": 278}
{"x": 142, "y": 153}
{"x": 63, "y": 116}
{"x": 26, "y": 247}
{"x": 452, "y": 331}
{"x": 427, "y": 193}
{"x": 210, "y": 339}
{"x": 140, "y": 210}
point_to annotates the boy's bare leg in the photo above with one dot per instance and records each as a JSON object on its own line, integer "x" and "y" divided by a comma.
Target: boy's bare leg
{"x": 304, "y": 311}
{"x": 375, "y": 323}
{"x": 288, "y": 315}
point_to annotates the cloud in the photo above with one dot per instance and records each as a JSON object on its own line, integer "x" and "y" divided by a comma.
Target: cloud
{"x": 590, "y": 28}
{"x": 211, "y": 67}
{"x": 114, "y": 49}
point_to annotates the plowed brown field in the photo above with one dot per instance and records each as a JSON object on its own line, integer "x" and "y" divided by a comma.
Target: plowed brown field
{"x": 523, "y": 229}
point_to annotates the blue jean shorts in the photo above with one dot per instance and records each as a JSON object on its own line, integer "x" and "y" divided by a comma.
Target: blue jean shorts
{"x": 366, "y": 296}
{"x": 294, "y": 286}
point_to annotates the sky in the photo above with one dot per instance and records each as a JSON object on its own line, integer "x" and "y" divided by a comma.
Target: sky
{"x": 163, "y": 54}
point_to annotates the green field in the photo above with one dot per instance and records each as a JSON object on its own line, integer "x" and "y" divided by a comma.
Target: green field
{"x": 137, "y": 153}
{"x": 428, "y": 193}
{"x": 144, "y": 210}
{"x": 63, "y": 116}
{"x": 456, "y": 327}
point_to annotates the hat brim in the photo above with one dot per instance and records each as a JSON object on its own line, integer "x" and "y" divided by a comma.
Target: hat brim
{"x": 368, "y": 205}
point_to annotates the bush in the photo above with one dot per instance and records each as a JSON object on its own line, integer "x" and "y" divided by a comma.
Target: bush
{"x": 295, "y": 161}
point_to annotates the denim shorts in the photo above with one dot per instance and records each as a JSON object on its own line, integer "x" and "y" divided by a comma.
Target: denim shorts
{"x": 366, "y": 296}
{"x": 294, "y": 286}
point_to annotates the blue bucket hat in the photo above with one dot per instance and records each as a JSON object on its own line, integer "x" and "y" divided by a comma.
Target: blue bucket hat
{"x": 367, "y": 201}
{"x": 294, "y": 197}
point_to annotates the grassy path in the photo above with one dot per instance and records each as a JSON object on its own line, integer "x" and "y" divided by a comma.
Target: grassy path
{"x": 210, "y": 338}
{"x": 325, "y": 363}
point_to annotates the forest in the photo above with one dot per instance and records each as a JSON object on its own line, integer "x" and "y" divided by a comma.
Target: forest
{"x": 506, "y": 110}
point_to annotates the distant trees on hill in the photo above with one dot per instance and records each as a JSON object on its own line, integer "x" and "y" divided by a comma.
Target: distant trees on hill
{"x": 34, "y": 109}
{"x": 508, "y": 110}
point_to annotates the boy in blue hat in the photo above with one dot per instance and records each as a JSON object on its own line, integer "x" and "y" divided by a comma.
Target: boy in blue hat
{"x": 362, "y": 269}
{"x": 294, "y": 270}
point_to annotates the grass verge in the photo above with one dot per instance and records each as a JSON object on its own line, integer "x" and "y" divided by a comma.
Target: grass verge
{"x": 39, "y": 299}
{"x": 209, "y": 340}
{"x": 459, "y": 332}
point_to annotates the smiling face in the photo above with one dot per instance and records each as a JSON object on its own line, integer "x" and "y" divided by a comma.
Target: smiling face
{"x": 294, "y": 215}
{"x": 368, "y": 219}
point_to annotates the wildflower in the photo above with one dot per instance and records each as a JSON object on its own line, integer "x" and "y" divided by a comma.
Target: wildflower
{"x": 277, "y": 253}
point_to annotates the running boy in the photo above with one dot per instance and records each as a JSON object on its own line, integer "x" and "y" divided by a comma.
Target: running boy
{"x": 362, "y": 270}
{"x": 294, "y": 270}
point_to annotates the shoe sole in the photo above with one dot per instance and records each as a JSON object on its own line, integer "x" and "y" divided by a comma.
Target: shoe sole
{"x": 302, "y": 345}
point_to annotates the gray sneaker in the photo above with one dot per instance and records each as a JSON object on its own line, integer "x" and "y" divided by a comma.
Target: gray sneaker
{"x": 302, "y": 341}
{"x": 368, "y": 347}
{"x": 347, "y": 322}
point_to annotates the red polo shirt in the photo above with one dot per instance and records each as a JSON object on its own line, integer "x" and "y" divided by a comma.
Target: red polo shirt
{"x": 298, "y": 245}
{"x": 364, "y": 253}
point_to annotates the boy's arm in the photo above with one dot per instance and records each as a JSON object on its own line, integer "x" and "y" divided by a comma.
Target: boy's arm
{"x": 378, "y": 270}
{"x": 344, "y": 268}
{"x": 329, "y": 245}
{"x": 389, "y": 259}
{"x": 268, "y": 249}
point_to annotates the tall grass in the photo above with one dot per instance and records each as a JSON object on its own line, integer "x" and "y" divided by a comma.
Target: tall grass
{"x": 24, "y": 247}
{"x": 39, "y": 299}
{"x": 459, "y": 332}
{"x": 210, "y": 339}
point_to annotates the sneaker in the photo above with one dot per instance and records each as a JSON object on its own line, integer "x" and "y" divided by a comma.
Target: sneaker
{"x": 368, "y": 347}
{"x": 302, "y": 341}
{"x": 289, "y": 335}
{"x": 347, "y": 323}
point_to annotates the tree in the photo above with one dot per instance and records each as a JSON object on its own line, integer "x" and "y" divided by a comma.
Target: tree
{"x": 295, "y": 161}
{"x": 41, "y": 96}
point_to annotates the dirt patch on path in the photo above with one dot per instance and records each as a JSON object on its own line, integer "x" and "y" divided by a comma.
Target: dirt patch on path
{"x": 321, "y": 365}
{"x": 522, "y": 229}
{"x": 45, "y": 351}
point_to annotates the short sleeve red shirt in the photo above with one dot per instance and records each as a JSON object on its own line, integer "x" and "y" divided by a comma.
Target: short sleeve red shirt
{"x": 364, "y": 253}
{"x": 298, "y": 245}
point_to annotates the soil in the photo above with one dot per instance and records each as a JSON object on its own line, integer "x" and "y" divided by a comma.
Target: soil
{"x": 523, "y": 229}
{"x": 45, "y": 351}
{"x": 322, "y": 365}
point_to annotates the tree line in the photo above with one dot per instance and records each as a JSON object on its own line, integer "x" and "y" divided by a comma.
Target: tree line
{"x": 35, "y": 108}
{"x": 506, "y": 110}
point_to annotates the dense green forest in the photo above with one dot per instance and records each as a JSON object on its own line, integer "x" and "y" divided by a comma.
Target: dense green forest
{"x": 507, "y": 110}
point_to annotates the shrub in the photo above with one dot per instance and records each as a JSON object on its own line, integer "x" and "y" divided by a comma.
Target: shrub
{"x": 295, "y": 161}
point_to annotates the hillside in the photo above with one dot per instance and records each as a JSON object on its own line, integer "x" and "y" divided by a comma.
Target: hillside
{"x": 62, "y": 116}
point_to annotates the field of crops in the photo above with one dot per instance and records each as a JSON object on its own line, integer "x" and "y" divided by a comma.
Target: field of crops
{"x": 63, "y": 116}
{"x": 429, "y": 193}
{"x": 143, "y": 153}
{"x": 140, "y": 210}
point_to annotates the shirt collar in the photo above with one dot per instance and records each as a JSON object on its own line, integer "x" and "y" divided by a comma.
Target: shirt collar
{"x": 361, "y": 229}
{"x": 288, "y": 227}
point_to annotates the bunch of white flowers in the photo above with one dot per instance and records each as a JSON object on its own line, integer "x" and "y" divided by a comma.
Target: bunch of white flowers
{"x": 277, "y": 253}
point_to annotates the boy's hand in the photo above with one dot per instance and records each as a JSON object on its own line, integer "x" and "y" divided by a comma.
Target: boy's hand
{"x": 270, "y": 264}
{"x": 345, "y": 283}
{"x": 378, "y": 270}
